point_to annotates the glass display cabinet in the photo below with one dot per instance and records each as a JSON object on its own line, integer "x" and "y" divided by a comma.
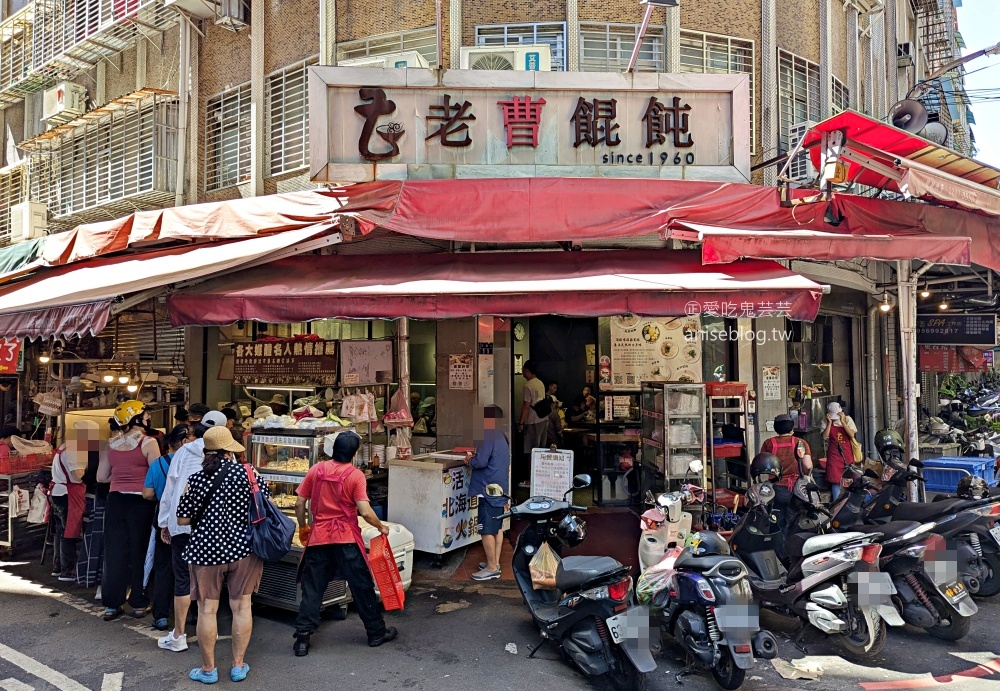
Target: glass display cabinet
{"x": 674, "y": 419}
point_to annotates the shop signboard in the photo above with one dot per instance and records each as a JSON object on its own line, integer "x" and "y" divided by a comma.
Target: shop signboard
{"x": 653, "y": 349}
{"x": 551, "y": 472}
{"x": 957, "y": 329}
{"x": 954, "y": 359}
{"x": 367, "y": 123}
{"x": 10, "y": 355}
{"x": 459, "y": 510}
{"x": 289, "y": 362}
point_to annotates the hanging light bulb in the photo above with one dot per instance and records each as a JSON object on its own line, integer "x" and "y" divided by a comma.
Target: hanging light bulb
{"x": 109, "y": 377}
{"x": 132, "y": 388}
{"x": 123, "y": 378}
{"x": 925, "y": 293}
{"x": 44, "y": 358}
{"x": 943, "y": 305}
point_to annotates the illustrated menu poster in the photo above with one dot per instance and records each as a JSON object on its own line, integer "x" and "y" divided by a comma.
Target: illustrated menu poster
{"x": 771, "y": 389}
{"x": 459, "y": 511}
{"x": 285, "y": 363}
{"x": 655, "y": 349}
{"x": 461, "y": 373}
{"x": 551, "y": 472}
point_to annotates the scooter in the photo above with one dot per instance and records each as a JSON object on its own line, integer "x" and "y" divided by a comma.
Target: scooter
{"x": 592, "y": 615}
{"x": 929, "y": 594}
{"x": 700, "y": 595}
{"x": 833, "y": 584}
{"x": 665, "y": 525}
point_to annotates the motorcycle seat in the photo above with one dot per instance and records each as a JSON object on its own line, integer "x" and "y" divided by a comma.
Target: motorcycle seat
{"x": 575, "y": 571}
{"x": 803, "y": 544}
{"x": 889, "y": 530}
{"x": 917, "y": 511}
{"x": 688, "y": 562}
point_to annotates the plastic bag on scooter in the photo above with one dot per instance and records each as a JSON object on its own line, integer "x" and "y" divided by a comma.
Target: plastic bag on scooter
{"x": 657, "y": 579}
{"x": 543, "y": 567}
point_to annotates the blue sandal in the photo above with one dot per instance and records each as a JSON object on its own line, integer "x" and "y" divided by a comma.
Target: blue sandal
{"x": 199, "y": 674}
{"x": 239, "y": 673}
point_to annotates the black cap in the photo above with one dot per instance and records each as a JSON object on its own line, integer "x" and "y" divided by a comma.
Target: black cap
{"x": 783, "y": 418}
{"x": 345, "y": 446}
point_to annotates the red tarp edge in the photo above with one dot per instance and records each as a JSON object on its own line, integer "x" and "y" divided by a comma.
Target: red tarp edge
{"x": 69, "y": 321}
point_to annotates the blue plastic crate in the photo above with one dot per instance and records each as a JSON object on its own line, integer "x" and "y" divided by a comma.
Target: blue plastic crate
{"x": 942, "y": 474}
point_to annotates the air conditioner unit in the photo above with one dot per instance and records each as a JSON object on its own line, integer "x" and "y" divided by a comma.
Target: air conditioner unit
{"x": 904, "y": 54}
{"x": 27, "y": 221}
{"x": 800, "y": 168}
{"x": 63, "y": 102}
{"x": 232, "y": 14}
{"x": 530, "y": 58}
{"x": 407, "y": 58}
{"x": 198, "y": 9}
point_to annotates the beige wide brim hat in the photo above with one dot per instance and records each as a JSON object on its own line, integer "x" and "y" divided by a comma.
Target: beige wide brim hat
{"x": 221, "y": 439}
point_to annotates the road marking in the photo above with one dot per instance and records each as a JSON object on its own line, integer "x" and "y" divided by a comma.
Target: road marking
{"x": 36, "y": 668}
{"x": 112, "y": 682}
{"x": 15, "y": 685}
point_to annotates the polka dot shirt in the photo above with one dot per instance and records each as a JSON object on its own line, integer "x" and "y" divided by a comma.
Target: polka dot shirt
{"x": 221, "y": 535}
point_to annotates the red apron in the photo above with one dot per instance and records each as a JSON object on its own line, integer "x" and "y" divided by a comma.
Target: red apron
{"x": 76, "y": 494}
{"x": 778, "y": 443}
{"x": 836, "y": 454}
{"x": 342, "y": 518}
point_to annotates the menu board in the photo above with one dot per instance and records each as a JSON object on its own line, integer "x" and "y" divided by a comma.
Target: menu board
{"x": 288, "y": 362}
{"x": 654, "y": 349}
{"x": 551, "y": 472}
{"x": 366, "y": 362}
{"x": 460, "y": 511}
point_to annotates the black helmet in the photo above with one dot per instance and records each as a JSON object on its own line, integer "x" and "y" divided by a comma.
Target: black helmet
{"x": 765, "y": 467}
{"x": 571, "y": 531}
{"x": 971, "y": 487}
{"x": 890, "y": 446}
{"x": 705, "y": 543}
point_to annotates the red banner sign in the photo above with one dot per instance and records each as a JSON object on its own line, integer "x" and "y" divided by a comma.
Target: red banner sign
{"x": 286, "y": 363}
{"x": 10, "y": 352}
{"x": 953, "y": 359}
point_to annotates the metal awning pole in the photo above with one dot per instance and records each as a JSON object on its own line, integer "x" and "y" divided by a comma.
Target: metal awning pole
{"x": 908, "y": 346}
{"x": 638, "y": 39}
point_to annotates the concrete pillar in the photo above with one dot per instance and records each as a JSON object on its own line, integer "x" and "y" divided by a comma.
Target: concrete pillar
{"x": 328, "y": 32}
{"x": 572, "y": 35}
{"x": 101, "y": 83}
{"x": 455, "y": 33}
{"x": 891, "y": 41}
{"x": 674, "y": 39}
{"x": 769, "y": 121}
{"x": 258, "y": 133}
{"x": 825, "y": 73}
{"x": 878, "y": 62}
{"x": 141, "y": 53}
{"x": 853, "y": 47}
{"x": 908, "y": 349}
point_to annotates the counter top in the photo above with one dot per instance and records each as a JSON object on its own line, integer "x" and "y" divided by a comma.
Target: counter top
{"x": 437, "y": 461}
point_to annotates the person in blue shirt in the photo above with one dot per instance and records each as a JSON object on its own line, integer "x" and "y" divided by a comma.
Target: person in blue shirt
{"x": 490, "y": 465}
{"x": 163, "y": 573}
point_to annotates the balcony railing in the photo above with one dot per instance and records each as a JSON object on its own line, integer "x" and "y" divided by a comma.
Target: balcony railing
{"x": 71, "y": 36}
{"x": 17, "y": 75}
{"x": 111, "y": 161}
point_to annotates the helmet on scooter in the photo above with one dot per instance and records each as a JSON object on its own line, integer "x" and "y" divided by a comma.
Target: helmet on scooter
{"x": 571, "y": 531}
{"x": 705, "y": 543}
{"x": 890, "y": 447}
{"x": 971, "y": 487}
{"x": 765, "y": 467}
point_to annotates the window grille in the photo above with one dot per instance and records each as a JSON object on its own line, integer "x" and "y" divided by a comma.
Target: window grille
{"x": 841, "y": 97}
{"x": 553, "y": 35}
{"x": 12, "y": 191}
{"x": 608, "y": 47}
{"x": 798, "y": 95}
{"x": 424, "y": 41}
{"x": 227, "y": 138}
{"x": 704, "y": 53}
{"x": 288, "y": 116}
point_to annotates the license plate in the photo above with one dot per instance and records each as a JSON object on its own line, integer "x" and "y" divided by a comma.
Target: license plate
{"x": 995, "y": 532}
{"x": 954, "y": 592}
{"x": 616, "y": 625}
{"x": 629, "y": 625}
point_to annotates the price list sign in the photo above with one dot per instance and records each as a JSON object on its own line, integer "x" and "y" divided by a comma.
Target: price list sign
{"x": 551, "y": 472}
{"x": 286, "y": 363}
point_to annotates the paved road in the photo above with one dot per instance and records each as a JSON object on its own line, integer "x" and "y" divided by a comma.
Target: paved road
{"x": 53, "y": 640}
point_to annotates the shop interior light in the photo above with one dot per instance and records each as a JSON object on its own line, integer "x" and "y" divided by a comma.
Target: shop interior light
{"x": 123, "y": 379}
{"x": 44, "y": 357}
{"x": 943, "y": 305}
{"x": 132, "y": 388}
{"x": 925, "y": 293}
{"x": 886, "y": 305}
{"x": 109, "y": 377}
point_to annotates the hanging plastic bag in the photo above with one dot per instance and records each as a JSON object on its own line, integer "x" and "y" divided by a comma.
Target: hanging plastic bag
{"x": 654, "y": 583}
{"x": 51, "y": 403}
{"x": 543, "y": 567}
{"x": 349, "y": 407}
{"x": 39, "y": 503}
{"x": 398, "y": 414}
{"x": 19, "y": 502}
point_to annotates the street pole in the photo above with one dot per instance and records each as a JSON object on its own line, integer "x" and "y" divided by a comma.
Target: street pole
{"x": 908, "y": 346}
{"x": 638, "y": 39}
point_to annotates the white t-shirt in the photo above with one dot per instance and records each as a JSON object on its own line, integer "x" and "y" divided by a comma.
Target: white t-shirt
{"x": 185, "y": 463}
{"x": 59, "y": 478}
{"x": 534, "y": 391}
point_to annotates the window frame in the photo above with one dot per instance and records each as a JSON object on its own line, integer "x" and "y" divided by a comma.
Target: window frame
{"x": 287, "y": 95}
{"x": 559, "y": 52}
{"x": 422, "y": 40}
{"x": 805, "y": 91}
{"x": 236, "y": 98}
{"x": 657, "y": 33}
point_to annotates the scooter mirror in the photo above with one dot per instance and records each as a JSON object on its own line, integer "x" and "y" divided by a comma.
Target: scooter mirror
{"x": 916, "y": 463}
{"x": 650, "y": 499}
{"x": 581, "y": 481}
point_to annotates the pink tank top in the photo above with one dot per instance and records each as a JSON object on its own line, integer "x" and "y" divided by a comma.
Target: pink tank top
{"x": 128, "y": 469}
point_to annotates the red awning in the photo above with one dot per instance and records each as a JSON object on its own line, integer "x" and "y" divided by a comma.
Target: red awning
{"x": 721, "y": 245}
{"x": 447, "y": 286}
{"x": 69, "y": 321}
{"x": 886, "y": 157}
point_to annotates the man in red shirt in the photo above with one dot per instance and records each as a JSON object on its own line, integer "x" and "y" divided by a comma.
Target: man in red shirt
{"x": 337, "y": 493}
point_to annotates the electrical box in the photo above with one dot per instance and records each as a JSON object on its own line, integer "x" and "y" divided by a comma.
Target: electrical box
{"x": 64, "y": 102}
{"x": 28, "y": 221}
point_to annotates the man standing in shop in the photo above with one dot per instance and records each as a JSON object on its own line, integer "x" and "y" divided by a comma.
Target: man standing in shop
{"x": 533, "y": 427}
{"x": 490, "y": 465}
{"x": 336, "y": 493}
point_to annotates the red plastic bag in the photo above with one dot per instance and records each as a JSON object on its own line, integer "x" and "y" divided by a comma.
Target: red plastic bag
{"x": 386, "y": 574}
{"x": 398, "y": 414}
